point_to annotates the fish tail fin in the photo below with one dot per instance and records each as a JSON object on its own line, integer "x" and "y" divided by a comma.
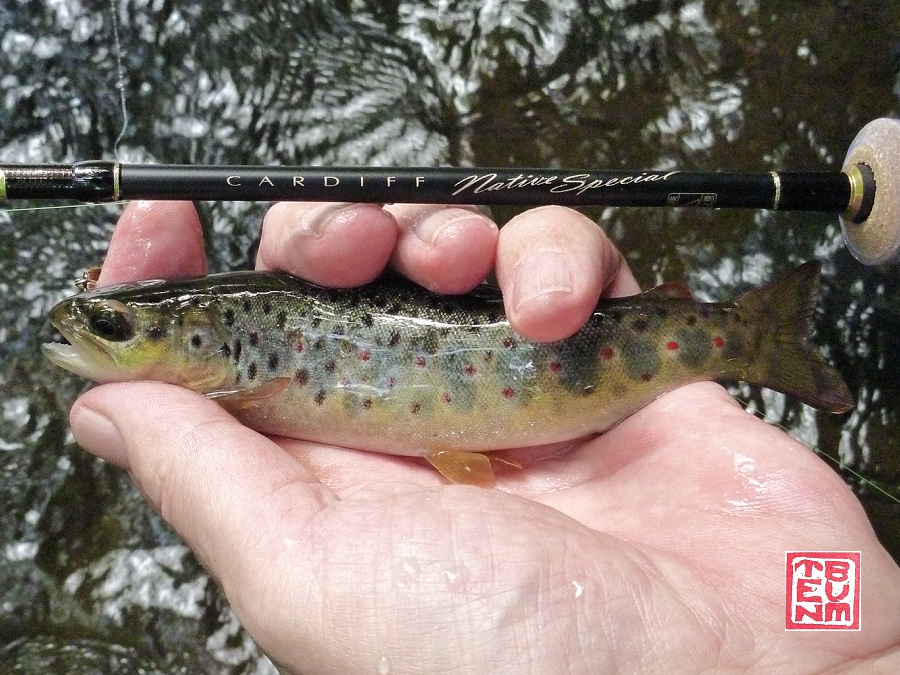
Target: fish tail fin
{"x": 788, "y": 362}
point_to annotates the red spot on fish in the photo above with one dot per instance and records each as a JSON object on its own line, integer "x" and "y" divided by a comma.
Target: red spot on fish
{"x": 672, "y": 346}
{"x": 364, "y": 355}
{"x": 508, "y": 392}
{"x": 299, "y": 347}
{"x": 555, "y": 366}
{"x": 509, "y": 343}
{"x": 470, "y": 370}
{"x": 607, "y": 353}
{"x": 718, "y": 342}
{"x": 445, "y": 397}
{"x": 420, "y": 362}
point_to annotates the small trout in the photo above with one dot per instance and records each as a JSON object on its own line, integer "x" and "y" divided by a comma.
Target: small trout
{"x": 392, "y": 368}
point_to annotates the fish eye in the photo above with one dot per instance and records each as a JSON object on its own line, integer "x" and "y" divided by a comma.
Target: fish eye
{"x": 111, "y": 320}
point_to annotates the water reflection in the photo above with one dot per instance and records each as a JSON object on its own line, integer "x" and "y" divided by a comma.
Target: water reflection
{"x": 753, "y": 85}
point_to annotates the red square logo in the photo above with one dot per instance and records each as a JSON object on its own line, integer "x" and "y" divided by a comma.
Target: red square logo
{"x": 822, "y": 590}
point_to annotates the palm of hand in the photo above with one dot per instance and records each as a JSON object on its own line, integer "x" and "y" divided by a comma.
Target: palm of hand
{"x": 656, "y": 546}
{"x": 651, "y": 546}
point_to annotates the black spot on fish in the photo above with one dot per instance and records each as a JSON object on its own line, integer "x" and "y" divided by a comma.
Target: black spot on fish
{"x": 615, "y": 316}
{"x": 320, "y": 397}
{"x": 662, "y": 312}
{"x": 196, "y": 341}
{"x": 238, "y": 347}
{"x": 154, "y": 332}
{"x": 254, "y": 339}
{"x": 320, "y": 343}
{"x": 690, "y": 320}
{"x": 228, "y": 318}
{"x": 493, "y": 317}
{"x": 301, "y": 376}
{"x": 281, "y": 320}
{"x": 267, "y": 307}
{"x": 509, "y": 343}
{"x": 415, "y": 407}
{"x": 474, "y": 328}
{"x": 329, "y": 366}
{"x": 247, "y": 305}
{"x": 273, "y": 361}
{"x": 339, "y": 329}
{"x": 639, "y": 325}
{"x": 316, "y": 321}
{"x": 251, "y": 371}
{"x": 588, "y": 390}
{"x": 225, "y": 350}
{"x": 367, "y": 403}
{"x": 395, "y": 339}
{"x": 367, "y": 320}
{"x": 395, "y": 308}
{"x": 379, "y": 301}
{"x": 238, "y": 378}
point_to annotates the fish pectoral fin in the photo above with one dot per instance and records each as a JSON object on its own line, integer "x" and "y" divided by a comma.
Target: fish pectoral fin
{"x": 468, "y": 468}
{"x": 240, "y": 399}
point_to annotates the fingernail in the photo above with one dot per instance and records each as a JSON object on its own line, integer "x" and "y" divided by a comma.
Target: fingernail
{"x": 95, "y": 433}
{"x": 432, "y": 224}
{"x": 315, "y": 221}
{"x": 542, "y": 274}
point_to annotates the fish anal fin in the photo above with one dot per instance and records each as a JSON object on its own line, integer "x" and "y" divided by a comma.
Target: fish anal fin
{"x": 671, "y": 290}
{"x": 467, "y": 468}
{"x": 240, "y": 399}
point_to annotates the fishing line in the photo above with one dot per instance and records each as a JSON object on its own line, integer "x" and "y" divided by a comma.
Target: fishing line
{"x": 62, "y": 206}
{"x": 759, "y": 414}
{"x": 120, "y": 70}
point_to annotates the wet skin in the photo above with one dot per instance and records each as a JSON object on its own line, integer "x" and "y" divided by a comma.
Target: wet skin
{"x": 659, "y": 545}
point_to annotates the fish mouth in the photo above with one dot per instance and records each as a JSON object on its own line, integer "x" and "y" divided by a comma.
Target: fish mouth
{"x": 79, "y": 352}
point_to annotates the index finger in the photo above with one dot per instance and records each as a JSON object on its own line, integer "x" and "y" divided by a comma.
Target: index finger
{"x": 154, "y": 240}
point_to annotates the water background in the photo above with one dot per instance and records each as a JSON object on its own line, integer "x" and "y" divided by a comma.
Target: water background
{"x": 618, "y": 84}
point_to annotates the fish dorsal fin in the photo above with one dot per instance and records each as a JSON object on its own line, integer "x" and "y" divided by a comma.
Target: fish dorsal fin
{"x": 671, "y": 290}
{"x": 469, "y": 468}
{"x": 239, "y": 399}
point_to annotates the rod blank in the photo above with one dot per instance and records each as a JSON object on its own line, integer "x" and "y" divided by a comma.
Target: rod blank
{"x": 98, "y": 181}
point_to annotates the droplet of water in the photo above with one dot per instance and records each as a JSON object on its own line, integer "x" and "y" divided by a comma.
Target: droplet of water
{"x": 384, "y": 666}
{"x": 579, "y": 589}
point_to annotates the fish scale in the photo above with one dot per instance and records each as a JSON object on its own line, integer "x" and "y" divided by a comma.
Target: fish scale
{"x": 392, "y": 368}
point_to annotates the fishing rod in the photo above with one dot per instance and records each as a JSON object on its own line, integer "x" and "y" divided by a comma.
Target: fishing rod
{"x": 866, "y": 192}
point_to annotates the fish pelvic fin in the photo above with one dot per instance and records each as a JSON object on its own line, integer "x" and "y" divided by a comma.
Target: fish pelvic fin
{"x": 468, "y": 468}
{"x": 787, "y": 361}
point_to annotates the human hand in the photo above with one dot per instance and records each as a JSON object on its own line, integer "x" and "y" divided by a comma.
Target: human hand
{"x": 656, "y": 546}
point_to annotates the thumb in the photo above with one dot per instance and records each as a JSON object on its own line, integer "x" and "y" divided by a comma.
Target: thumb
{"x": 223, "y": 487}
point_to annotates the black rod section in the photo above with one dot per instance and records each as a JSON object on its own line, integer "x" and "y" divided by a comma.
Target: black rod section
{"x": 106, "y": 181}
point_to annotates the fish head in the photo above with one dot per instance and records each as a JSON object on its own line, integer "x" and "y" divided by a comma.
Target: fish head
{"x": 133, "y": 332}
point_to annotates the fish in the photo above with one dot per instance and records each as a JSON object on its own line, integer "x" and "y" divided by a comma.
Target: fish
{"x": 390, "y": 367}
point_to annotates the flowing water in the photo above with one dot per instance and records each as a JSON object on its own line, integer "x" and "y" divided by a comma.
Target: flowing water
{"x": 750, "y": 85}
